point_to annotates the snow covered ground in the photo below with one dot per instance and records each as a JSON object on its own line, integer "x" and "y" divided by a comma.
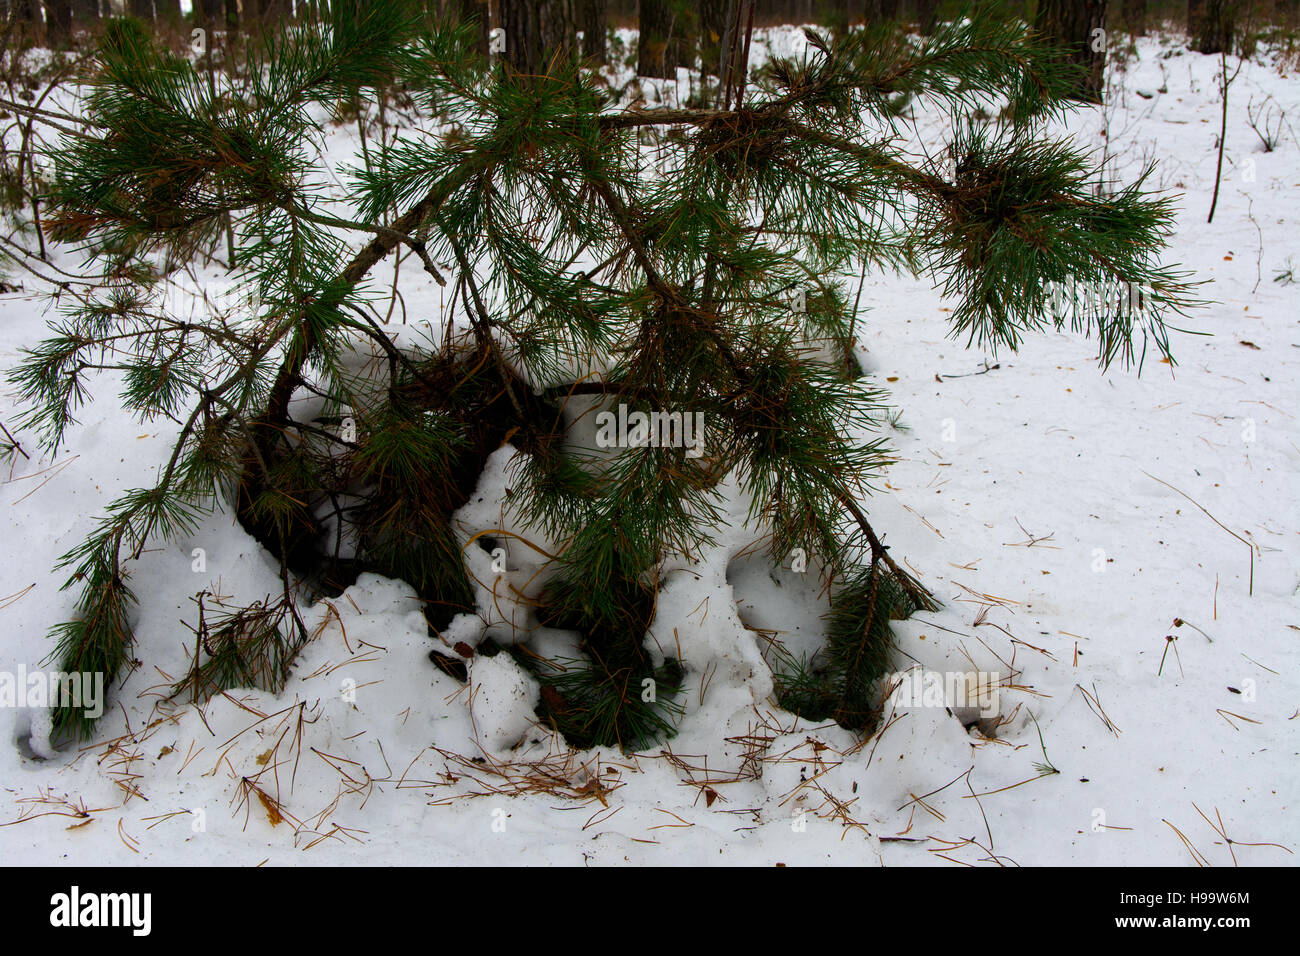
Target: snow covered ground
{"x": 1092, "y": 537}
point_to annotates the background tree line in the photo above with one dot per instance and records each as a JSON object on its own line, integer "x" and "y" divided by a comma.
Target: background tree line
{"x": 672, "y": 33}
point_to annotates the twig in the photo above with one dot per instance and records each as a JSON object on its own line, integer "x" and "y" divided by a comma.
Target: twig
{"x": 1226, "y": 81}
{"x": 14, "y": 442}
{"x": 1250, "y": 547}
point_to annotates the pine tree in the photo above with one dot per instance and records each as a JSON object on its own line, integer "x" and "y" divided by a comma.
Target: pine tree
{"x": 698, "y": 285}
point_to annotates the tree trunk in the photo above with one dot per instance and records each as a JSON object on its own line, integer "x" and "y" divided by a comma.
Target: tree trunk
{"x": 169, "y": 11}
{"x": 1074, "y": 24}
{"x": 927, "y": 16}
{"x": 58, "y": 21}
{"x": 1210, "y": 25}
{"x": 86, "y": 12}
{"x": 537, "y": 31}
{"x": 661, "y": 40}
{"x": 472, "y": 11}
{"x": 142, "y": 9}
{"x": 1134, "y": 13}
{"x": 593, "y": 21}
{"x": 275, "y": 12}
{"x": 27, "y": 12}
{"x": 839, "y": 14}
{"x": 232, "y": 15}
{"x": 714, "y": 18}
{"x": 878, "y": 11}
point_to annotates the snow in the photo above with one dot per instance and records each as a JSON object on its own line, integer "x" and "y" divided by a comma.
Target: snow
{"x": 501, "y": 701}
{"x": 1069, "y": 520}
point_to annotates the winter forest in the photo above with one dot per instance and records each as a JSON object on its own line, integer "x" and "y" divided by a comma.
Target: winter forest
{"x": 674, "y": 432}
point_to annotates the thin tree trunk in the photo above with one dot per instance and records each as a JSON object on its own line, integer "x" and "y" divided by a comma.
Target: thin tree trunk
{"x": 1074, "y": 24}
{"x": 1224, "y": 83}
{"x": 735, "y": 54}
{"x": 143, "y": 9}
